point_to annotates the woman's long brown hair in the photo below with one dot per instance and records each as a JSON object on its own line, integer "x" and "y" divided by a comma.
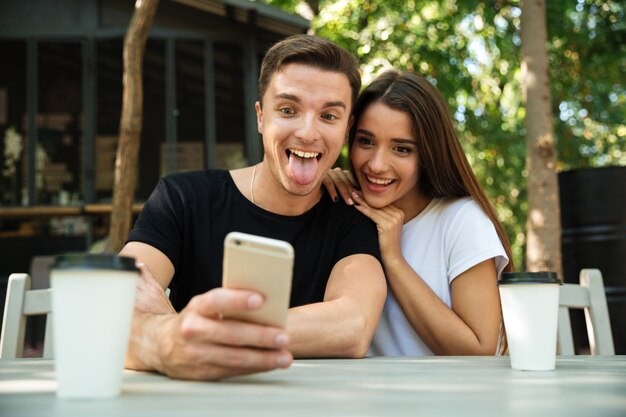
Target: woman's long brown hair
{"x": 444, "y": 168}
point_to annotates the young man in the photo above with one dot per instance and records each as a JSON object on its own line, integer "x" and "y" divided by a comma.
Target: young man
{"x": 307, "y": 88}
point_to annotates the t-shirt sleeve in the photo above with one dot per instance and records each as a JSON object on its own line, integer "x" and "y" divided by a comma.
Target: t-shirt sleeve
{"x": 471, "y": 238}
{"x": 358, "y": 236}
{"x": 160, "y": 223}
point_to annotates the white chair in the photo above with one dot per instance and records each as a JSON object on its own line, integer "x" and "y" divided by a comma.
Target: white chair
{"x": 20, "y": 303}
{"x": 590, "y": 296}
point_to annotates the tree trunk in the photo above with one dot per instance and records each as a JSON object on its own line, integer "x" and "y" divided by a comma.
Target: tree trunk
{"x": 543, "y": 250}
{"x": 130, "y": 123}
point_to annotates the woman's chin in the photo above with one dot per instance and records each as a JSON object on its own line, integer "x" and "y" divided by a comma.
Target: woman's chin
{"x": 377, "y": 203}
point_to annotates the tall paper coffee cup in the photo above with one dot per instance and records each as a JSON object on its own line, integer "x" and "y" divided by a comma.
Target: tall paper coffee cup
{"x": 92, "y": 306}
{"x": 530, "y": 303}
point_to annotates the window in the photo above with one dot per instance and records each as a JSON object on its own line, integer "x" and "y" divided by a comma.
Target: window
{"x": 175, "y": 116}
{"x": 58, "y": 162}
{"x": 230, "y": 106}
{"x": 187, "y": 153}
{"x": 110, "y": 71}
{"x": 13, "y": 184}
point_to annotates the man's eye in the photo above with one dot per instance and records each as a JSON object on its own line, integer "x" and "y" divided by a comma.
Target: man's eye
{"x": 329, "y": 117}
{"x": 287, "y": 111}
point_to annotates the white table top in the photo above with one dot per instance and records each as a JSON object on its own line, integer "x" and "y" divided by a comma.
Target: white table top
{"x": 430, "y": 386}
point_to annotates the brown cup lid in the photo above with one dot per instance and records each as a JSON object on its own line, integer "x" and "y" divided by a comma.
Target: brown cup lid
{"x": 94, "y": 261}
{"x": 544, "y": 277}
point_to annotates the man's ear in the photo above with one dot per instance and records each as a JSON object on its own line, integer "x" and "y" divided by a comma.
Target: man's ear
{"x": 259, "y": 116}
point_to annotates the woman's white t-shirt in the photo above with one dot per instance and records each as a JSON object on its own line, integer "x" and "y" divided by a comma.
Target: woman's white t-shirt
{"x": 446, "y": 239}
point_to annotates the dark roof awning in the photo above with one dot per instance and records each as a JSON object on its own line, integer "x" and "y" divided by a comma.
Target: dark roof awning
{"x": 266, "y": 17}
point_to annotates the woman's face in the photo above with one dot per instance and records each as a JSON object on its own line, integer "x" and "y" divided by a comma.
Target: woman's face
{"x": 385, "y": 159}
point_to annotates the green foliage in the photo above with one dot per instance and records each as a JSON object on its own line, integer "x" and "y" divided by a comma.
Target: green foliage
{"x": 470, "y": 50}
{"x": 588, "y": 62}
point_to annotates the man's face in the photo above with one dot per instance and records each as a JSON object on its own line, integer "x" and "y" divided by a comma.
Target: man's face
{"x": 304, "y": 121}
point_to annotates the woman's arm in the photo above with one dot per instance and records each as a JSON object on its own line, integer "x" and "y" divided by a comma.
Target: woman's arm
{"x": 471, "y": 326}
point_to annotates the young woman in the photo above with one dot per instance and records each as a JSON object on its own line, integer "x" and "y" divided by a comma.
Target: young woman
{"x": 441, "y": 243}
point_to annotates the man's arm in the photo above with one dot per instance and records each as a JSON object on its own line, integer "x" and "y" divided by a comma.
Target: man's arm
{"x": 196, "y": 343}
{"x": 344, "y": 323}
{"x": 156, "y": 273}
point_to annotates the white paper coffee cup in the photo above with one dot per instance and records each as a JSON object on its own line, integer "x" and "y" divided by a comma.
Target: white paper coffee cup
{"x": 92, "y": 305}
{"x": 530, "y": 304}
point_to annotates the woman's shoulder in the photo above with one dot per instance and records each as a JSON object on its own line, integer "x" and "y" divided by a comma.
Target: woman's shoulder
{"x": 458, "y": 207}
{"x": 458, "y": 214}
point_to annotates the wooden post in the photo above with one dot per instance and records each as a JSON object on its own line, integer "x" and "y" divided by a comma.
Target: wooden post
{"x": 543, "y": 246}
{"x": 130, "y": 123}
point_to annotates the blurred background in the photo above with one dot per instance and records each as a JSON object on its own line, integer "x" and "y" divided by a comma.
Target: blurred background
{"x": 61, "y": 92}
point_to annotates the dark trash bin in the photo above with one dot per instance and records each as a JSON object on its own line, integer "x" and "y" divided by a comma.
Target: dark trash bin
{"x": 593, "y": 220}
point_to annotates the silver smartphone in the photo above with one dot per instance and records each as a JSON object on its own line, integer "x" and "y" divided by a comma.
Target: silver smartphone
{"x": 264, "y": 265}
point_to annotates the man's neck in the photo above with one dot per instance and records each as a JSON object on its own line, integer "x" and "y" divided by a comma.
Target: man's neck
{"x": 259, "y": 186}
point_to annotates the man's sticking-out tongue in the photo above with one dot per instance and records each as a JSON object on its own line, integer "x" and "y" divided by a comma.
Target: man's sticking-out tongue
{"x": 302, "y": 169}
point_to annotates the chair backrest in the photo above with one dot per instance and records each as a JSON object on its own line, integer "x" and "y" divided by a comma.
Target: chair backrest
{"x": 590, "y": 296}
{"x": 20, "y": 303}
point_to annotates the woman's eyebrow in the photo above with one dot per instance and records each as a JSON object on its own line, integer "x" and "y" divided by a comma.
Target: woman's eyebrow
{"x": 404, "y": 141}
{"x": 365, "y": 132}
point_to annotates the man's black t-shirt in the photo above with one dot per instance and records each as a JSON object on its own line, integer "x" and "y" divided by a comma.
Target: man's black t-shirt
{"x": 189, "y": 214}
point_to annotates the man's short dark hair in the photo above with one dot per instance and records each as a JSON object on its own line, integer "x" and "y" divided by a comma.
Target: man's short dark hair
{"x": 312, "y": 51}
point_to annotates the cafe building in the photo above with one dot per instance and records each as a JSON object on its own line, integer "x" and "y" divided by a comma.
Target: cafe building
{"x": 60, "y": 104}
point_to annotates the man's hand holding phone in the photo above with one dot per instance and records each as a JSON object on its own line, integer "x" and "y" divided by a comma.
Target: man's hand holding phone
{"x": 198, "y": 343}
{"x": 226, "y": 331}
{"x": 260, "y": 264}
